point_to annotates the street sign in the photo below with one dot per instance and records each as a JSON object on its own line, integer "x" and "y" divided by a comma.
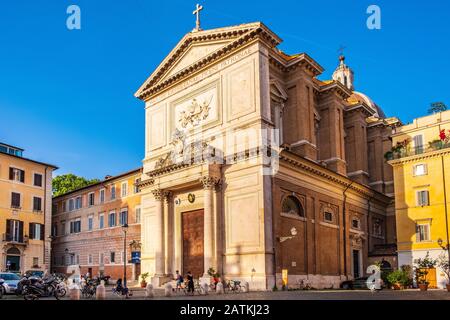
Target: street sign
{"x": 135, "y": 257}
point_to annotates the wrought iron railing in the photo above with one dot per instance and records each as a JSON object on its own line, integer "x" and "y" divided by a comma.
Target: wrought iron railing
{"x": 408, "y": 152}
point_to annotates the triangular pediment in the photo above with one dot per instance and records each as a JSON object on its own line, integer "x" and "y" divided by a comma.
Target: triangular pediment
{"x": 277, "y": 91}
{"x": 195, "y": 53}
{"x": 200, "y": 46}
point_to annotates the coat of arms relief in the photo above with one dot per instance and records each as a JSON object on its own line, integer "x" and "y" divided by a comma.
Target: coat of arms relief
{"x": 195, "y": 112}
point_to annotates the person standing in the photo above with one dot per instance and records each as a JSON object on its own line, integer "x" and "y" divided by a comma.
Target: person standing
{"x": 190, "y": 280}
{"x": 179, "y": 280}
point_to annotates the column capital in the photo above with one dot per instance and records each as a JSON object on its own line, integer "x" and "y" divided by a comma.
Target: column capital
{"x": 168, "y": 195}
{"x": 209, "y": 182}
{"x": 158, "y": 194}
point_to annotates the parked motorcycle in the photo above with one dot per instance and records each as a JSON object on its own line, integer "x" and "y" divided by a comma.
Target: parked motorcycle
{"x": 33, "y": 288}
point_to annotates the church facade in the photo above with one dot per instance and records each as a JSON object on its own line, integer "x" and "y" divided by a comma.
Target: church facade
{"x": 254, "y": 166}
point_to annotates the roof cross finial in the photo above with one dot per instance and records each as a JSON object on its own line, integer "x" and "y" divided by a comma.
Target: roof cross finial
{"x": 197, "y": 14}
{"x": 341, "y": 53}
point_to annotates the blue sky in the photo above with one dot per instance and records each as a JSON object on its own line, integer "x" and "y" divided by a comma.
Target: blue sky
{"x": 67, "y": 96}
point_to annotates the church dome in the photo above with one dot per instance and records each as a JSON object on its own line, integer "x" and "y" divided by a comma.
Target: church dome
{"x": 344, "y": 74}
{"x": 361, "y": 97}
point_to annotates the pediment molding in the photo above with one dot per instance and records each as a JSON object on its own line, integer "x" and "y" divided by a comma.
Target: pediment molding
{"x": 237, "y": 36}
{"x": 277, "y": 91}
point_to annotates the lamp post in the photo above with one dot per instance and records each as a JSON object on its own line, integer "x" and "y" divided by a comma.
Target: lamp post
{"x": 125, "y": 229}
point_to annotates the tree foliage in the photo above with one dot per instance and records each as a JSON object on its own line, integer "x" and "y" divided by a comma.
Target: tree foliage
{"x": 437, "y": 107}
{"x": 69, "y": 182}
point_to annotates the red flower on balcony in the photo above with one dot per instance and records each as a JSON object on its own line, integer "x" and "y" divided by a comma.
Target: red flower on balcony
{"x": 442, "y": 135}
{"x": 445, "y": 138}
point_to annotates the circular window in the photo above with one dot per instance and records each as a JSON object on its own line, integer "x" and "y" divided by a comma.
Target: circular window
{"x": 292, "y": 206}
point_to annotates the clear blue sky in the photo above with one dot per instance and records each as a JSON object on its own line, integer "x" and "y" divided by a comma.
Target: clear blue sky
{"x": 67, "y": 96}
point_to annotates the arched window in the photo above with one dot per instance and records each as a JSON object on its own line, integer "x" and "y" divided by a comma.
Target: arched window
{"x": 385, "y": 265}
{"x": 292, "y": 206}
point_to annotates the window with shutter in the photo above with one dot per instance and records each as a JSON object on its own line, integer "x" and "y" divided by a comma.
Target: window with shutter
{"x": 20, "y": 231}
{"x": 37, "y": 204}
{"x": 42, "y": 235}
{"x": 418, "y": 144}
{"x": 32, "y": 231}
{"x": 8, "y": 229}
{"x": 38, "y": 180}
{"x": 423, "y": 198}
{"x": 15, "y": 200}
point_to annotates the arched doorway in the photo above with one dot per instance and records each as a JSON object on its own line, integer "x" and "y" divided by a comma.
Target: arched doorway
{"x": 13, "y": 259}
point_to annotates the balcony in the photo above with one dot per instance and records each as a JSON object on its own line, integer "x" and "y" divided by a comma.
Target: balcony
{"x": 409, "y": 152}
{"x": 14, "y": 240}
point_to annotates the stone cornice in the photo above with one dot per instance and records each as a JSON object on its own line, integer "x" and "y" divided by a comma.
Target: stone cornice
{"x": 303, "y": 60}
{"x": 244, "y": 35}
{"x": 315, "y": 169}
{"x": 334, "y": 87}
{"x": 145, "y": 184}
{"x": 361, "y": 107}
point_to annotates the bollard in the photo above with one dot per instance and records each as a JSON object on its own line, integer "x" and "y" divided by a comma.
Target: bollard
{"x": 74, "y": 292}
{"x": 219, "y": 288}
{"x": 205, "y": 288}
{"x": 149, "y": 291}
{"x": 100, "y": 292}
{"x": 246, "y": 287}
{"x": 168, "y": 290}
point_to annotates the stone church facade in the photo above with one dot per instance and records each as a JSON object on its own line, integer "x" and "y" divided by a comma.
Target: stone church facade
{"x": 254, "y": 165}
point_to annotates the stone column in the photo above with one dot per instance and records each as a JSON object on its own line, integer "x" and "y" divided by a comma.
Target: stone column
{"x": 218, "y": 228}
{"x": 168, "y": 231}
{"x": 208, "y": 239}
{"x": 159, "y": 239}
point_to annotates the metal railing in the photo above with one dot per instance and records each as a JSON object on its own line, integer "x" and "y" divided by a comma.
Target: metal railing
{"x": 408, "y": 152}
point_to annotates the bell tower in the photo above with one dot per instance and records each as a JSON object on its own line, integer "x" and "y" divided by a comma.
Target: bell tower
{"x": 344, "y": 74}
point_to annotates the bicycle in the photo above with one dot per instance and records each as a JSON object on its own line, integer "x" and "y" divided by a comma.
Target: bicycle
{"x": 89, "y": 289}
{"x": 233, "y": 286}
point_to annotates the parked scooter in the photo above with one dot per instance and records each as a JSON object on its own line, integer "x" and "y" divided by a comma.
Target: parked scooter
{"x": 34, "y": 288}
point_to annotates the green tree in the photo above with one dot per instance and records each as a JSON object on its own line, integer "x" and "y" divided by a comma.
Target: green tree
{"x": 69, "y": 182}
{"x": 437, "y": 107}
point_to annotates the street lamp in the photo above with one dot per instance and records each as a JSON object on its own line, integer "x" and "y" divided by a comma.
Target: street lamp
{"x": 293, "y": 234}
{"x": 125, "y": 229}
{"x": 446, "y": 248}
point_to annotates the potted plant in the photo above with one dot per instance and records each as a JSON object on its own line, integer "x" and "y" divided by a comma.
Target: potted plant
{"x": 436, "y": 144}
{"x": 422, "y": 266}
{"x": 408, "y": 276}
{"x": 389, "y": 156}
{"x": 443, "y": 264}
{"x": 396, "y": 279}
{"x": 144, "y": 277}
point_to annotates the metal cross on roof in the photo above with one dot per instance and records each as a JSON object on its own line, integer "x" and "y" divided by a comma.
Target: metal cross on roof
{"x": 197, "y": 14}
{"x": 341, "y": 50}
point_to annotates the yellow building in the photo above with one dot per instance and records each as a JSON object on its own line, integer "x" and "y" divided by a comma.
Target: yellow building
{"x": 421, "y": 162}
{"x": 25, "y": 211}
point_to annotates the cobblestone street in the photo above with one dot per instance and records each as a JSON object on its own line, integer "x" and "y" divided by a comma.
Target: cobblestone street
{"x": 139, "y": 294}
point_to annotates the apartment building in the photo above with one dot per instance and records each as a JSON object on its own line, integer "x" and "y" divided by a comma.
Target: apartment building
{"x": 25, "y": 211}
{"x": 88, "y": 227}
{"x": 421, "y": 160}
